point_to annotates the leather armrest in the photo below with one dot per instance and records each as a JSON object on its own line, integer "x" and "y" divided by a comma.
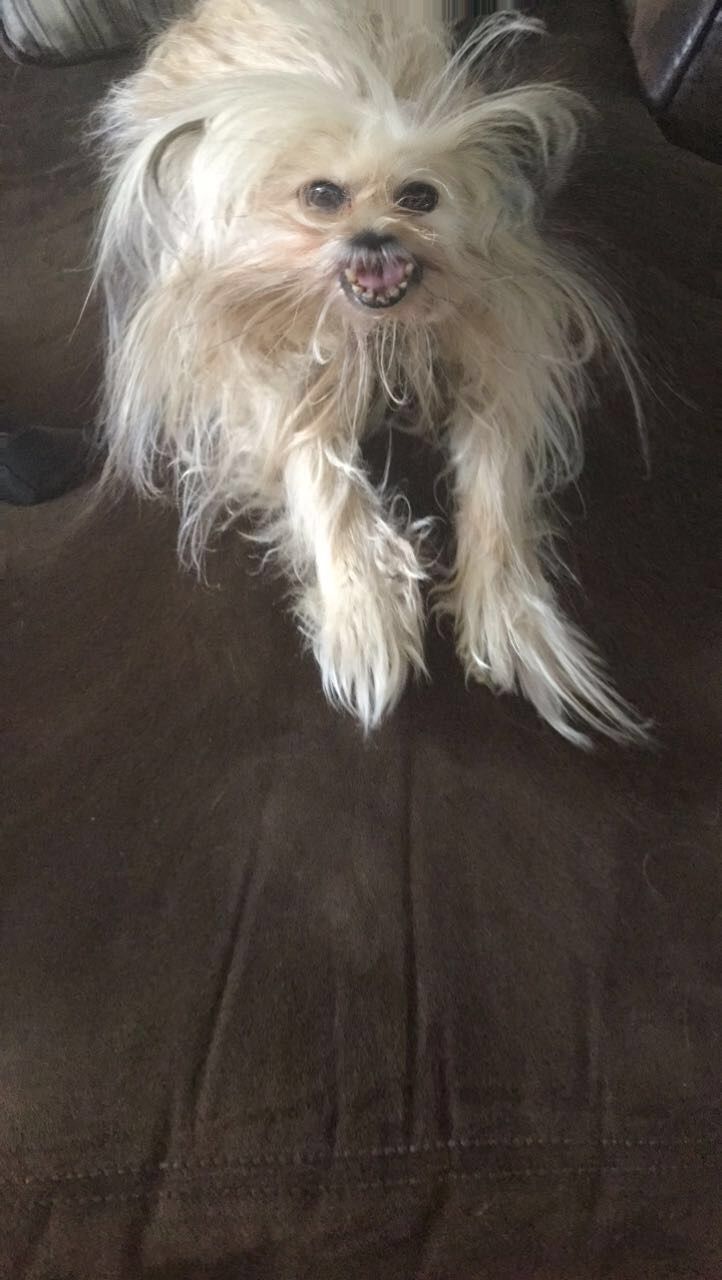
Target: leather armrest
{"x": 665, "y": 37}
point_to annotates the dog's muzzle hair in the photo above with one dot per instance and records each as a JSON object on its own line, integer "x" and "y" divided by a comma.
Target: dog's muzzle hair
{"x": 379, "y": 271}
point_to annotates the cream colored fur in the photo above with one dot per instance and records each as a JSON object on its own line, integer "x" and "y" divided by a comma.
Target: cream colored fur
{"x": 243, "y": 378}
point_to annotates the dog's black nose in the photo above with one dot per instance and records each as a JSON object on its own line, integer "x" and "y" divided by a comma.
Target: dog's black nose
{"x": 371, "y": 240}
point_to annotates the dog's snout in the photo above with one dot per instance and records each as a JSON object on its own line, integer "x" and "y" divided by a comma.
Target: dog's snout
{"x": 372, "y": 241}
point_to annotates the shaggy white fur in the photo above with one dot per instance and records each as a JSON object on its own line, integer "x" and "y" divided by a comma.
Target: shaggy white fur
{"x": 315, "y": 207}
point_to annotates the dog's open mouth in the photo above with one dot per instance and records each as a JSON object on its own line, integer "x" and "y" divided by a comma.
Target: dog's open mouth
{"x": 380, "y": 281}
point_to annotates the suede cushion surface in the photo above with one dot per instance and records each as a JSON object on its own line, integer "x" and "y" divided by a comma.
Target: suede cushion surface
{"x": 444, "y": 1004}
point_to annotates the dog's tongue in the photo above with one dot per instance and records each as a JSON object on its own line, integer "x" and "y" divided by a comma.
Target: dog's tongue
{"x": 390, "y": 274}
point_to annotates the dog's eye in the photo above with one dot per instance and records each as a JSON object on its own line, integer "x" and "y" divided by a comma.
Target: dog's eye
{"x": 417, "y": 197}
{"x": 325, "y": 195}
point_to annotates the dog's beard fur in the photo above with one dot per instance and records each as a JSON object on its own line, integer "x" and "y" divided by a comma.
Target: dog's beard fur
{"x": 243, "y": 374}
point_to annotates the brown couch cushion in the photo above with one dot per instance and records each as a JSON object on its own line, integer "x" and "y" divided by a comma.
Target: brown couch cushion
{"x": 276, "y": 1002}
{"x": 48, "y": 340}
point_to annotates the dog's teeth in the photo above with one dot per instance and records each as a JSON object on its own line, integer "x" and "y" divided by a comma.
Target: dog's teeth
{"x": 403, "y": 286}
{"x": 367, "y": 297}
{"x": 409, "y": 269}
{"x": 395, "y": 292}
{"x": 350, "y": 275}
{"x": 356, "y": 288}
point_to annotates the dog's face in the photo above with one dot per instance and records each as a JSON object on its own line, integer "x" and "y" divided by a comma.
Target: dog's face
{"x": 353, "y": 218}
{"x": 378, "y": 270}
{"x": 297, "y": 207}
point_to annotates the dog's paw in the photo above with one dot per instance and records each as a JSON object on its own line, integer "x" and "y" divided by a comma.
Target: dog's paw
{"x": 522, "y": 640}
{"x": 366, "y": 627}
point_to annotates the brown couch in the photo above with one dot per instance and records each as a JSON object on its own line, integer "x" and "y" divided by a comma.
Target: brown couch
{"x": 678, "y": 47}
{"x": 276, "y": 1002}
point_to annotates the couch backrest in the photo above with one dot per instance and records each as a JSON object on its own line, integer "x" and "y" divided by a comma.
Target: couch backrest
{"x": 67, "y": 31}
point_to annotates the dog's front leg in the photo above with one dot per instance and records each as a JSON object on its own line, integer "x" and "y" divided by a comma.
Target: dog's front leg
{"x": 511, "y": 631}
{"x": 360, "y": 600}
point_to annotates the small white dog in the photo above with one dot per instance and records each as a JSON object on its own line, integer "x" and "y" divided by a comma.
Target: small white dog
{"x": 317, "y": 211}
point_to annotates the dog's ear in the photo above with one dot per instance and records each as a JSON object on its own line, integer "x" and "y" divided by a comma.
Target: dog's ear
{"x": 141, "y": 158}
{"x": 522, "y": 141}
{"x": 544, "y": 127}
